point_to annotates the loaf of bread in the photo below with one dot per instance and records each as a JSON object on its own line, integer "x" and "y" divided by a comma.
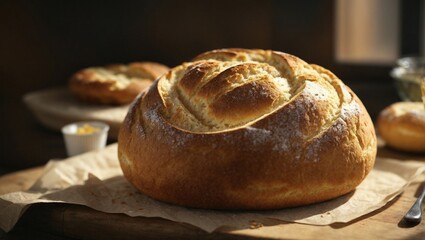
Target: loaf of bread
{"x": 115, "y": 84}
{"x": 246, "y": 129}
{"x": 402, "y": 126}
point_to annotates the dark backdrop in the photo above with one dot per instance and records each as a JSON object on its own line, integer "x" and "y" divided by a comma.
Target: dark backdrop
{"x": 43, "y": 42}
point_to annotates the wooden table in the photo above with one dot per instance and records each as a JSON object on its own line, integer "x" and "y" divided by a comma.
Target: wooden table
{"x": 62, "y": 221}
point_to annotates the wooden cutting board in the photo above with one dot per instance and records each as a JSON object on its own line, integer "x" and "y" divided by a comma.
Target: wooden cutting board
{"x": 72, "y": 221}
{"x": 57, "y": 107}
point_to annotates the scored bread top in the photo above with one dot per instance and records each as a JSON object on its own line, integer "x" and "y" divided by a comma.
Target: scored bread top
{"x": 120, "y": 75}
{"x": 226, "y": 89}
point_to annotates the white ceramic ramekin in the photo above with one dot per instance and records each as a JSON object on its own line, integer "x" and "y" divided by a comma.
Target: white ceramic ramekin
{"x": 77, "y": 143}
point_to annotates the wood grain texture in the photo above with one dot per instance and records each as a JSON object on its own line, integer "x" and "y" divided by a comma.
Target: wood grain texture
{"x": 19, "y": 181}
{"x": 61, "y": 221}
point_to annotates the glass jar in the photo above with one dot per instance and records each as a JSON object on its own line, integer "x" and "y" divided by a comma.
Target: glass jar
{"x": 408, "y": 76}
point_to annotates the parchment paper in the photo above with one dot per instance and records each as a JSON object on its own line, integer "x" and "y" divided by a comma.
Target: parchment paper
{"x": 57, "y": 107}
{"x": 95, "y": 179}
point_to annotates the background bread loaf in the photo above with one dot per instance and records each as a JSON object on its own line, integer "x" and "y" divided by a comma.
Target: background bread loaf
{"x": 247, "y": 129}
{"x": 115, "y": 84}
{"x": 402, "y": 126}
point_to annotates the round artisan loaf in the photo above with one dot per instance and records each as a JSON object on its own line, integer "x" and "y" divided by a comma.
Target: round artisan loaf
{"x": 246, "y": 129}
{"x": 402, "y": 126}
{"x": 115, "y": 84}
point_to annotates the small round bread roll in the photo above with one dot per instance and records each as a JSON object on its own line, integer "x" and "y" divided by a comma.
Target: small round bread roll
{"x": 402, "y": 126}
{"x": 115, "y": 84}
{"x": 246, "y": 129}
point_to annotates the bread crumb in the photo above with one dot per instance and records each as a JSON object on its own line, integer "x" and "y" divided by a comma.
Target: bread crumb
{"x": 254, "y": 224}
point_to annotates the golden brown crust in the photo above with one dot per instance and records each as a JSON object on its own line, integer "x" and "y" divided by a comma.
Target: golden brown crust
{"x": 402, "y": 126}
{"x": 115, "y": 84}
{"x": 197, "y": 138}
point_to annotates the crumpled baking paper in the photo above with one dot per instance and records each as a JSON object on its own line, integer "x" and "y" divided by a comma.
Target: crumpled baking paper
{"x": 95, "y": 180}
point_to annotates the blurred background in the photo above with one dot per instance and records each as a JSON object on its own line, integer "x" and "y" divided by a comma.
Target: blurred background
{"x": 43, "y": 43}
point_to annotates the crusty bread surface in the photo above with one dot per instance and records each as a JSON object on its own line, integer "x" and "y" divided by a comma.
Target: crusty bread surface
{"x": 115, "y": 84}
{"x": 402, "y": 126}
{"x": 246, "y": 129}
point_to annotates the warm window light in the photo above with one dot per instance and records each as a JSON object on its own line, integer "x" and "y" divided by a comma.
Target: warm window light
{"x": 367, "y": 31}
